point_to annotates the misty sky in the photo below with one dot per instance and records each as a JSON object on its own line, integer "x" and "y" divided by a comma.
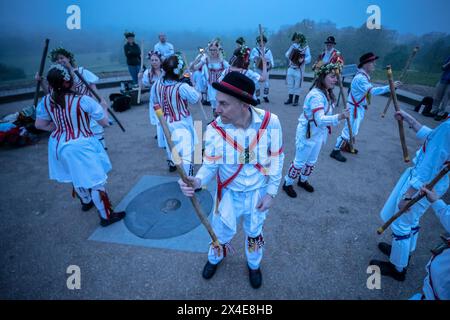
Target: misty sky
{"x": 406, "y": 16}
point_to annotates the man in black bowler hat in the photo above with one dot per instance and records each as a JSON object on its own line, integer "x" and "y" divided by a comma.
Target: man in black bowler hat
{"x": 243, "y": 150}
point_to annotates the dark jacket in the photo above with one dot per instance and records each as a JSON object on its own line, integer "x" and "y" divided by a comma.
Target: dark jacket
{"x": 133, "y": 54}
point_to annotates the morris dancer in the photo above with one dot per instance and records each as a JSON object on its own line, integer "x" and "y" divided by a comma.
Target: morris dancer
{"x": 198, "y": 78}
{"x": 74, "y": 155}
{"x": 314, "y": 126}
{"x": 174, "y": 97}
{"x": 255, "y": 57}
{"x": 358, "y": 101}
{"x": 149, "y": 77}
{"x": 212, "y": 66}
{"x": 436, "y": 285}
{"x": 299, "y": 56}
{"x": 240, "y": 61}
{"x": 66, "y": 58}
{"x": 429, "y": 160}
{"x": 244, "y": 150}
{"x": 329, "y": 55}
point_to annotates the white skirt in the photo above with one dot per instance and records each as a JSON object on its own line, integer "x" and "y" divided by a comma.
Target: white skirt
{"x": 82, "y": 162}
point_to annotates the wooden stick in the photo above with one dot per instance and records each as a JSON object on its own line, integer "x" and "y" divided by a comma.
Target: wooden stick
{"x": 349, "y": 125}
{"x": 402, "y": 76}
{"x": 177, "y": 160}
{"x": 261, "y": 42}
{"x": 141, "y": 70}
{"x": 41, "y": 72}
{"x": 397, "y": 108}
{"x": 97, "y": 97}
{"x": 417, "y": 198}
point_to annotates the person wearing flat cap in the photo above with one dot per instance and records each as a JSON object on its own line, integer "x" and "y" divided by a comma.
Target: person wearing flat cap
{"x": 243, "y": 150}
{"x": 361, "y": 91}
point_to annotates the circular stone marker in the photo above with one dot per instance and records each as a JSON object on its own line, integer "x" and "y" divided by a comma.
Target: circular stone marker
{"x": 163, "y": 212}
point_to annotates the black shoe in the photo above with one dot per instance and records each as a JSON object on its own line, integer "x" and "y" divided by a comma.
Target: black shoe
{"x": 440, "y": 118}
{"x": 289, "y": 190}
{"x": 336, "y": 154}
{"x": 295, "y": 104}
{"x": 113, "y": 218}
{"x": 258, "y": 101}
{"x": 388, "y": 269}
{"x": 289, "y": 100}
{"x": 209, "y": 270}
{"x": 266, "y": 99}
{"x": 87, "y": 206}
{"x": 255, "y": 277}
{"x": 387, "y": 248}
{"x": 305, "y": 185}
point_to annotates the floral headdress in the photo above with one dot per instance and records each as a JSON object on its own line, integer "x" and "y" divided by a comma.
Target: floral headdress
{"x": 328, "y": 68}
{"x": 64, "y": 71}
{"x": 61, "y": 51}
{"x": 300, "y": 39}
{"x": 181, "y": 65}
{"x": 157, "y": 53}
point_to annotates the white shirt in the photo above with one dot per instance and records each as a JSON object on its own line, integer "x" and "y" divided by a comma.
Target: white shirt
{"x": 439, "y": 267}
{"x": 361, "y": 86}
{"x": 222, "y": 158}
{"x": 327, "y": 55}
{"x": 442, "y": 211}
{"x": 255, "y": 53}
{"x": 147, "y": 82}
{"x": 166, "y": 49}
{"x": 431, "y": 157}
{"x": 316, "y": 107}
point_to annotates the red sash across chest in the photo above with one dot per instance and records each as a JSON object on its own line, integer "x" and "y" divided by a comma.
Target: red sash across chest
{"x": 357, "y": 104}
{"x": 221, "y": 184}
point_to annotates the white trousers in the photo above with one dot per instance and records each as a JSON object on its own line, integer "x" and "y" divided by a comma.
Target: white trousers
{"x": 266, "y": 86}
{"x": 233, "y": 207}
{"x": 405, "y": 229}
{"x": 294, "y": 80}
{"x": 306, "y": 154}
{"x": 354, "y": 122}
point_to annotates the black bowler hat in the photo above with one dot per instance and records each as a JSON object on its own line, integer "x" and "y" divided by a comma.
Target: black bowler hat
{"x": 366, "y": 58}
{"x": 240, "y": 41}
{"x": 237, "y": 85}
{"x": 331, "y": 40}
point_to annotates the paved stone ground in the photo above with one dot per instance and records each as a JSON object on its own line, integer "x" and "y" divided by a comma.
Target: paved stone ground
{"x": 317, "y": 246}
